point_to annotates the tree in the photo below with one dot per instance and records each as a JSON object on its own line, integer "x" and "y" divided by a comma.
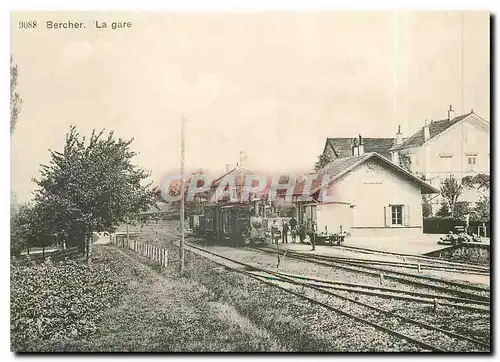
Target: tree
{"x": 91, "y": 187}
{"x": 480, "y": 183}
{"x": 426, "y": 206}
{"x": 323, "y": 160}
{"x": 451, "y": 190}
{"x": 15, "y": 99}
{"x": 19, "y": 229}
{"x": 444, "y": 210}
{"x": 31, "y": 227}
{"x": 482, "y": 209}
{"x": 462, "y": 208}
{"x": 405, "y": 161}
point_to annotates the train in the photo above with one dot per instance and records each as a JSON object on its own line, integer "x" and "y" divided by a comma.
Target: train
{"x": 250, "y": 223}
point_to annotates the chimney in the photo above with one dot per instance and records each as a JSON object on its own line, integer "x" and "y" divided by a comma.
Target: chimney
{"x": 427, "y": 133}
{"x": 399, "y": 136}
{"x": 361, "y": 147}
{"x": 355, "y": 149}
{"x": 450, "y": 113}
{"x": 227, "y": 168}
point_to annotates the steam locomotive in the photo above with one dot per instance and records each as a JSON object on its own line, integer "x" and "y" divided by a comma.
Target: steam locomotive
{"x": 254, "y": 223}
{"x": 237, "y": 223}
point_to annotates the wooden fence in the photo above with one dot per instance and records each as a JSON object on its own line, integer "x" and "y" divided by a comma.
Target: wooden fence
{"x": 152, "y": 252}
{"x": 53, "y": 255}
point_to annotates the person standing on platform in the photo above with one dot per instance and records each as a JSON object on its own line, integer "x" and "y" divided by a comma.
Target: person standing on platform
{"x": 313, "y": 236}
{"x": 284, "y": 232}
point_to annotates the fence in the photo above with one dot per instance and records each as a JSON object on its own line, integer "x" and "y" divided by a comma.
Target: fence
{"x": 152, "y": 252}
{"x": 444, "y": 226}
{"x": 54, "y": 256}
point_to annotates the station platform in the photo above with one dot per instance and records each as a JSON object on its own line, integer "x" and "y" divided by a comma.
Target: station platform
{"x": 421, "y": 246}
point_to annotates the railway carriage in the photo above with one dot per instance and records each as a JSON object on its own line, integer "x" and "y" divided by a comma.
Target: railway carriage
{"x": 237, "y": 223}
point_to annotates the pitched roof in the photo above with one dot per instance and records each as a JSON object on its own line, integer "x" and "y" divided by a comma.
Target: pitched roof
{"x": 336, "y": 169}
{"x": 343, "y": 145}
{"x": 435, "y": 128}
{"x": 215, "y": 183}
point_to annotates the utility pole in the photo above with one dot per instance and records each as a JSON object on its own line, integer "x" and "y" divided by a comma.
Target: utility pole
{"x": 241, "y": 176}
{"x": 182, "y": 194}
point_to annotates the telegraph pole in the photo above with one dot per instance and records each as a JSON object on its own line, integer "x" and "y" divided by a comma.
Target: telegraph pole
{"x": 241, "y": 176}
{"x": 182, "y": 194}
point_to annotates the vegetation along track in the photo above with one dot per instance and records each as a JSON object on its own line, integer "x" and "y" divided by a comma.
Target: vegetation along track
{"x": 463, "y": 290}
{"x": 424, "y": 335}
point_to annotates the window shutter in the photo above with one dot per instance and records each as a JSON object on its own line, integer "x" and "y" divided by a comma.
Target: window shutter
{"x": 387, "y": 215}
{"x": 406, "y": 215}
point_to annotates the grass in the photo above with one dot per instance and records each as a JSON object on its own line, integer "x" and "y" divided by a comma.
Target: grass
{"x": 170, "y": 314}
{"x": 209, "y": 309}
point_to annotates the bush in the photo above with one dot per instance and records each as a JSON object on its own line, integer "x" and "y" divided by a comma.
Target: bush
{"x": 55, "y": 303}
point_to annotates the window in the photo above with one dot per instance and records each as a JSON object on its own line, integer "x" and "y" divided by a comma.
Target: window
{"x": 471, "y": 162}
{"x": 397, "y": 214}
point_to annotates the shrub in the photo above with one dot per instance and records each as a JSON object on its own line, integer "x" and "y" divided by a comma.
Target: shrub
{"x": 54, "y": 303}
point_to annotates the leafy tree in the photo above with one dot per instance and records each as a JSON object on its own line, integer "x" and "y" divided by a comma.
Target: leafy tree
{"x": 405, "y": 161}
{"x": 451, "y": 190}
{"x": 18, "y": 229}
{"x": 461, "y": 209}
{"x": 323, "y": 160}
{"x": 15, "y": 99}
{"x": 444, "y": 210}
{"x": 30, "y": 227}
{"x": 91, "y": 187}
{"x": 482, "y": 209}
{"x": 426, "y": 206}
{"x": 481, "y": 183}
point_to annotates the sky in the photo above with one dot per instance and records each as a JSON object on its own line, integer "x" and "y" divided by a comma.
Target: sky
{"x": 273, "y": 85}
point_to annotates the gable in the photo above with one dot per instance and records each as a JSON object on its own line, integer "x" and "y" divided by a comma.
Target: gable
{"x": 337, "y": 169}
{"x": 437, "y": 128}
{"x": 343, "y": 146}
{"x": 372, "y": 177}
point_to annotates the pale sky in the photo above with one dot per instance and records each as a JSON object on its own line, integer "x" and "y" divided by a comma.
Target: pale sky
{"x": 272, "y": 84}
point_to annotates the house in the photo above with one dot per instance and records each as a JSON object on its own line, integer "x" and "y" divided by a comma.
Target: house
{"x": 364, "y": 194}
{"x": 342, "y": 147}
{"x": 229, "y": 188}
{"x": 235, "y": 182}
{"x": 458, "y": 146}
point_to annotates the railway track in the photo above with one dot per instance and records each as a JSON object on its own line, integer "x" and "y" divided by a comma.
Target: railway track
{"x": 417, "y": 266}
{"x": 413, "y": 331}
{"x": 450, "y": 287}
{"x": 393, "y": 293}
{"x": 415, "y": 257}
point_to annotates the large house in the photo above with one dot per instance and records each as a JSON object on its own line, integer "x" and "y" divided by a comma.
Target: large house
{"x": 458, "y": 146}
{"x": 364, "y": 194}
{"x": 341, "y": 147}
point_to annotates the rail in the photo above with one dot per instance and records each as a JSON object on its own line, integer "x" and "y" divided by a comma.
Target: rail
{"x": 251, "y": 270}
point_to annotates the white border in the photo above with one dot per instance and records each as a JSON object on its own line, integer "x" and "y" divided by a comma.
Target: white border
{"x": 179, "y": 6}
